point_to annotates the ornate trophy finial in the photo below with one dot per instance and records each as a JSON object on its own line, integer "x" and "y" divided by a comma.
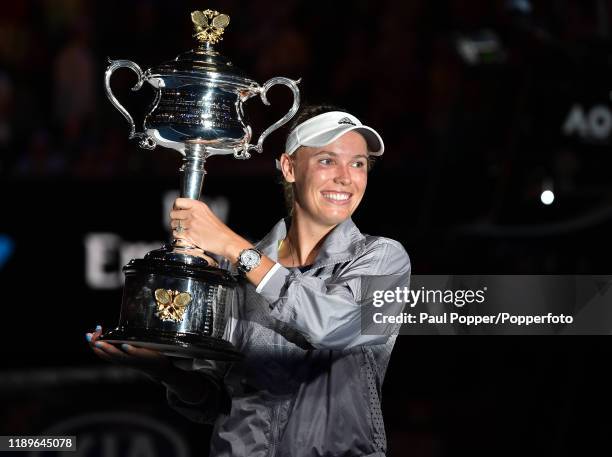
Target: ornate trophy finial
{"x": 209, "y": 25}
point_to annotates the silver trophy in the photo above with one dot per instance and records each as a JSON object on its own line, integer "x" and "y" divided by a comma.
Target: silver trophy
{"x": 175, "y": 299}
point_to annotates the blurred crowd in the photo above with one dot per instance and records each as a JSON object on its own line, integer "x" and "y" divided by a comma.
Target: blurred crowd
{"x": 55, "y": 120}
{"x": 391, "y": 62}
{"x": 50, "y": 123}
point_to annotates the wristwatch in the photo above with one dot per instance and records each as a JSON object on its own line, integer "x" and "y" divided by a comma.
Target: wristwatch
{"x": 248, "y": 259}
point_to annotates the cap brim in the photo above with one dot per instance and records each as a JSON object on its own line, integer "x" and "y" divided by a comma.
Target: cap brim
{"x": 374, "y": 141}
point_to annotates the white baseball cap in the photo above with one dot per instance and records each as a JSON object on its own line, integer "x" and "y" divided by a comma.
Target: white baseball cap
{"x": 326, "y": 128}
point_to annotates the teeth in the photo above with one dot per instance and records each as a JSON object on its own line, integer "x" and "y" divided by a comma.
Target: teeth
{"x": 334, "y": 196}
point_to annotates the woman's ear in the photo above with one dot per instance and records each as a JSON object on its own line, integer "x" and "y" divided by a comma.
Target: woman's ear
{"x": 286, "y": 163}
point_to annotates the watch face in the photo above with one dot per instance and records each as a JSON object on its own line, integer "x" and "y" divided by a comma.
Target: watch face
{"x": 249, "y": 258}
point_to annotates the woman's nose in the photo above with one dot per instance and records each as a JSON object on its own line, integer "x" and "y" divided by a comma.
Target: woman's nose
{"x": 343, "y": 176}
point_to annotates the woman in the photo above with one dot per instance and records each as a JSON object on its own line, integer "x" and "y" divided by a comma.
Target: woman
{"x": 310, "y": 382}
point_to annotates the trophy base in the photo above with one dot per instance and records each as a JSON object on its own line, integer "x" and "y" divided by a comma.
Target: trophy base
{"x": 185, "y": 345}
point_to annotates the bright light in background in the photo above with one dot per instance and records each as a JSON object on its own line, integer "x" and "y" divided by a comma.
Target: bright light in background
{"x": 547, "y": 197}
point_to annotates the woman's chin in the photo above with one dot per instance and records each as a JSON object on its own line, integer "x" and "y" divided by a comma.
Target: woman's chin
{"x": 336, "y": 217}
{"x": 326, "y": 215}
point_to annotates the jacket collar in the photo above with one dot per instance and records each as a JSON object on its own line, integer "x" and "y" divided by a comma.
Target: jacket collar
{"x": 343, "y": 243}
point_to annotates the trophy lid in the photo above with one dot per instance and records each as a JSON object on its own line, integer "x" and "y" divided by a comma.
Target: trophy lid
{"x": 204, "y": 62}
{"x": 171, "y": 262}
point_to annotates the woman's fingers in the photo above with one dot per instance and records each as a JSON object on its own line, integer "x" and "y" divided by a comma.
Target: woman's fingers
{"x": 186, "y": 240}
{"x": 176, "y": 223}
{"x": 186, "y": 203}
{"x": 142, "y": 353}
{"x": 180, "y": 221}
{"x": 116, "y": 354}
{"x": 133, "y": 350}
{"x": 103, "y": 355}
{"x": 91, "y": 337}
{"x": 180, "y": 214}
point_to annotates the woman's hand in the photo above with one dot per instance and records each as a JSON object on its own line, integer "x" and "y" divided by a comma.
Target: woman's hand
{"x": 188, "y": 385}
{"x": 150, "y": 361}
{"x": 199, "y": 226}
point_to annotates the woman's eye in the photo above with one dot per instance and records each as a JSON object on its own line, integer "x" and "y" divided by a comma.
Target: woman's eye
{"x": 359, "y": 164}
{"x": 325, "y": 161}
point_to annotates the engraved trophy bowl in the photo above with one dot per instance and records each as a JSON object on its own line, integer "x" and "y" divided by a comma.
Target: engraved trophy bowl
{"x": 176, "y": 299}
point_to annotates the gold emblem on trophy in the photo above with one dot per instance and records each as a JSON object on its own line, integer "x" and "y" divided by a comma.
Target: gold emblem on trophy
{"x": 171, "y": 304}
{"x": 209, "y": 25}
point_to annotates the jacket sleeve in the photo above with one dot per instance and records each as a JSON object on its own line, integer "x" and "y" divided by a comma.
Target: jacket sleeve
{"x": 333, "y": 313}
{"x": 215, "y": 402}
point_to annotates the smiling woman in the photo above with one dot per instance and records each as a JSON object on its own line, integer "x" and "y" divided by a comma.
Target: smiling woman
{"x": 307, "y": 364}
{"x": 306, "y": 113}
{"x": 329, "y": 181}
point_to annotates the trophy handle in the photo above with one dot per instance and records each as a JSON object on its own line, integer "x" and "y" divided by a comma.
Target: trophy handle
{"x": 146, "y": 141}
{"x": 243, "y": 152}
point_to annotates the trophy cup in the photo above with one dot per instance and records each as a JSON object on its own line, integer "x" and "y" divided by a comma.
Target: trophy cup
{"x": 175, "y": 299}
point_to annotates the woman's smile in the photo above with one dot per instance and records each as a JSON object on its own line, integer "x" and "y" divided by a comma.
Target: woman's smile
{"x": 337, "y": 198}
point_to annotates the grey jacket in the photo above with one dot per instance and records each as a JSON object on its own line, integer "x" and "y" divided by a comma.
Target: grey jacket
{"x": 310, "y": 382}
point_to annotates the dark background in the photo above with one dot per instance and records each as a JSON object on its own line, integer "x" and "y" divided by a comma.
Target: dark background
{"x": 472, "y": 139}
